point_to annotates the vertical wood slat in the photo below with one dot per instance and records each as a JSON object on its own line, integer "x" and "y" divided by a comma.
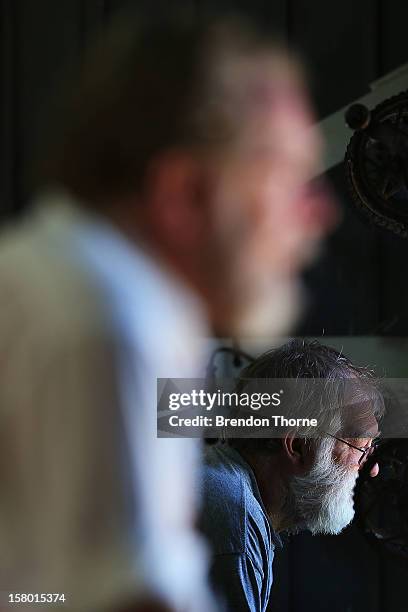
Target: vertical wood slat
{"x": 48, "y": 39}
{"x": 393, "y": 295}
{"x": 339, "y": 41}
{"x": 393, "y": 271}
{"x": 7, "y": 105}
{"x": 93, "y": 14}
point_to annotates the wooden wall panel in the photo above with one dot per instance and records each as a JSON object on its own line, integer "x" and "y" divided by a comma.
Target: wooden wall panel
{"x": 8, "y": 140}
{"x": 339, "y": 41}
{"x": 393, "y": 296}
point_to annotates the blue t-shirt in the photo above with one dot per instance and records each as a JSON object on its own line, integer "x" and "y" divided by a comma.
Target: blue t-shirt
{"x": 235, "y": 522}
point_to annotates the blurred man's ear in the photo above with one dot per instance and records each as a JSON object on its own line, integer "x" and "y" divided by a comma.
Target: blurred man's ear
{"x": 176, "y": 193}
{"x": 298, "y": 453}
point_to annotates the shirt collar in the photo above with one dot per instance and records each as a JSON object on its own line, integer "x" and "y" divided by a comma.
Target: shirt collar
{"x": 236, "y": 457}
{"x": 149, "y": 293}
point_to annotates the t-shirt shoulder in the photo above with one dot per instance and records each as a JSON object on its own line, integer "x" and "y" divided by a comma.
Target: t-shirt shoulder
{"x": 232, "y": 517}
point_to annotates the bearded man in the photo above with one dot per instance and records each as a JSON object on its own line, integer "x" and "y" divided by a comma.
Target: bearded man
{"x": 255, "y": 488}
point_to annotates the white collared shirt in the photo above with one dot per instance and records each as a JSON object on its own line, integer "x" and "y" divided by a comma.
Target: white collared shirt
{"x": 94, "y": 505}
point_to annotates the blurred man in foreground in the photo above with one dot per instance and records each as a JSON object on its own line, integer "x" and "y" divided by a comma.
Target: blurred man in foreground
{"x": 176, "y": 204}
{"x": 255, "y": 488}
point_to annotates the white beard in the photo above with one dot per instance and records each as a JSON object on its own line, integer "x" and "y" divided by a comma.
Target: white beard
{"x": 322, "y": 501}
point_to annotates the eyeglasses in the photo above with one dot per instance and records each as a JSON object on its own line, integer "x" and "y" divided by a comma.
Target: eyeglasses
{"x": 366, "y": 451}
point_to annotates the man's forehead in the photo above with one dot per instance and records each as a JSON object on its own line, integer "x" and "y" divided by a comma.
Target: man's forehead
{"x": 254, "y": 83}
{"x": 276, "y": 105}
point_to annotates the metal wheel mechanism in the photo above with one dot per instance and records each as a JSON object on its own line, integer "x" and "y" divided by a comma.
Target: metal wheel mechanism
{"x": 377, "y": 162}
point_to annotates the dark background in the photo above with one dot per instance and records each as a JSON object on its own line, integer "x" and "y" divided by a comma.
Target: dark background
{"x": 358, "y": 287}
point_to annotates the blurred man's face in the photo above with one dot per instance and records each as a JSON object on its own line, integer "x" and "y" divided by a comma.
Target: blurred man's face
{"x": 268, "y": 223}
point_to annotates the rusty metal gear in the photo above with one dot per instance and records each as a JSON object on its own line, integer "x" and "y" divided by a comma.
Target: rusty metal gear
{"x": 377, "y": 163}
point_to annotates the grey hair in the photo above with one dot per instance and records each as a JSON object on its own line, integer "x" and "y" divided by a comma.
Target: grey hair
{"x": 327, "y": 387}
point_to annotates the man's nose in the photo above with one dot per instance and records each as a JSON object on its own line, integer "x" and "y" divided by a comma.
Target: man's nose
{"x": 374, "y": 470}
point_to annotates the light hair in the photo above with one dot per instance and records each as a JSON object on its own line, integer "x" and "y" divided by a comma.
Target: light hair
{"x": 342, "y": 398}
